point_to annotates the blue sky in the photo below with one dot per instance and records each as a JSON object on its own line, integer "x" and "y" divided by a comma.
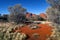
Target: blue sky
{"x": 33, "y": 6}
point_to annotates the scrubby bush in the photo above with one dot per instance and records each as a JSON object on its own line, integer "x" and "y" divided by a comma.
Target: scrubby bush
{"x": 17, "y": 14}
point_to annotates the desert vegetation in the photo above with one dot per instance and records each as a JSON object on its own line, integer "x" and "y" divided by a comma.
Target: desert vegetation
{"x": 53, "y": 13}
{"x": 22, "y": 25}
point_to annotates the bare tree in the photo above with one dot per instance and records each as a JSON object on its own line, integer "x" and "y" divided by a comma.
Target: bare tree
{"x": 53, "y": 12}
{"x": 17, "y": 13}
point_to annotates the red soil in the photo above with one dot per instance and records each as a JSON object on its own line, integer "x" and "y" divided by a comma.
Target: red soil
{"x": 44, "y": 31}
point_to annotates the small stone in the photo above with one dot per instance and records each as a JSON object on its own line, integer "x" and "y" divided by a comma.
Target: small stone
{"x": 36, "y": 35}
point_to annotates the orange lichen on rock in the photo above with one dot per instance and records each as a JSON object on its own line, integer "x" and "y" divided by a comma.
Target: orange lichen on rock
{"x": 44, "y": 31}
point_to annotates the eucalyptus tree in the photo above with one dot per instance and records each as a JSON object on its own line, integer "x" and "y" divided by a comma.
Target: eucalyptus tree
{"x": 17, "y": 13}
{"x": 53, "y": 12}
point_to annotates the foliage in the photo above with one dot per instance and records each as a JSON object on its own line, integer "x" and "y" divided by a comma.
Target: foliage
{"x": 17, "y": 13}
{"x": 7, "y": 33}
{"x": 41, "y": 19}
{"x": 53, "y": 12}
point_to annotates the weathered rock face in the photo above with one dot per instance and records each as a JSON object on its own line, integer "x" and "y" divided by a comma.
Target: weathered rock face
{"x": 43, "y": 15}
